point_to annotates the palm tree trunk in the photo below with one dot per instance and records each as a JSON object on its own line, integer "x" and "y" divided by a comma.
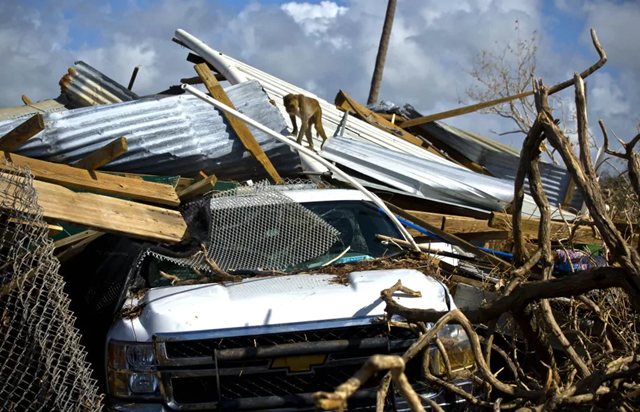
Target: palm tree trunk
{"x": 382, "y": 53}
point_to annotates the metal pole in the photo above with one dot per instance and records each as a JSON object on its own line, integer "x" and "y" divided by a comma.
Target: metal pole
{"x": 375, "y": 199}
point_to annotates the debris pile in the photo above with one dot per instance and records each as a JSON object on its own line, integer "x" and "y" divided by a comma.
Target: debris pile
{"x": 166, "y": 183}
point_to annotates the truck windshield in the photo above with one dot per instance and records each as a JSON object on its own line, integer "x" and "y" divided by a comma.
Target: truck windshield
{"x": 358, "y": 223}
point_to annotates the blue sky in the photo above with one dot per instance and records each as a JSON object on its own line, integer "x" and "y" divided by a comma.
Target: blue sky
{"x": 325, "y": 46}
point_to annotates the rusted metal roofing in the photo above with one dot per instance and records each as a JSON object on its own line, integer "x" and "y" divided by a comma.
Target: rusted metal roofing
{"x": 85, "y": 86}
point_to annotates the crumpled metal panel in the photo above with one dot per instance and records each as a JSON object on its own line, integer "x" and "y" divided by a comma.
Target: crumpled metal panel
{"x": 411, "y": 174}
{"x": 331, "y": 117}
{"x": 498, "y": 158}
{"x": 169, "y": 135}
{"x": 85, "y": 86}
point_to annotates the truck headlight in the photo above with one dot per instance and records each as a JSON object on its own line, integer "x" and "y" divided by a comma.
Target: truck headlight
{"x": 458, "y": 349}
{"x": 131, "y": 370}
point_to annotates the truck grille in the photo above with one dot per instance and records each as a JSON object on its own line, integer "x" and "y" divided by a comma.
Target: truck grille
{"x": 204, "y": 389}
{"x": 253, "y": 380}
{"x": 205, "y": 347}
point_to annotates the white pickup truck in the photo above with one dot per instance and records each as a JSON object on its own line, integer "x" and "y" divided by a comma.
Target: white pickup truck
{"x": 268, "y": 343}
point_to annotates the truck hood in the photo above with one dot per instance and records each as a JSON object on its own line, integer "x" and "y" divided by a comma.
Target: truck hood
{"x": 274, "y": 301}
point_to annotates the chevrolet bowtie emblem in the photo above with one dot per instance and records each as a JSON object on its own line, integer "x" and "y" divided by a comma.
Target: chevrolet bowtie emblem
{"x": 299, "y": 363}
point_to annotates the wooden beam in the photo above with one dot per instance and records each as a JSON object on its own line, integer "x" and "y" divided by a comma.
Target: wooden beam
{"x": 53, "y": 229}
{"x": 345, "y": 102}
{"x": 392, "y": 117}
{"x": 462, "y": 110}
{"x": 198, "y": 79}
{"x": 240, "y": 127}
{"x": 198, "y": 188}
{"x": 26, "y": 100}
{"x": 449, "y": 238}
{"x": 453, "y": 224}
{"x": 530, "y": 227}
{"x": 100, "y": 182}
{"x": 22, "y": 133}
{"x": 196, "y": 59}
{"x": 73, "y": 239}
{"x": 103, "y": 155}
{"x": 104, "y": 213}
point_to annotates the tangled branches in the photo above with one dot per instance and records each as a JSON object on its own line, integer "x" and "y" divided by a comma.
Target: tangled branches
{"x": 572, "y": 341}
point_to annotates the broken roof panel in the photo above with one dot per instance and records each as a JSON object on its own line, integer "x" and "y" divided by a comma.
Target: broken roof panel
{"x": 85, "y": 86}
{"x": 26, "y": 111}
{"x": 331, "y": 116}
{"x": 169, "y": 135}
{"x": 416, "y": 176}
{"x": 498, "y": 158}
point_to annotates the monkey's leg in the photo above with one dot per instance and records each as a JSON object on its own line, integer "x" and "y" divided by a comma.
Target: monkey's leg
{"x": 295, "y": 124}
{"x": 304, "y": 126}
{"x": 308, "y": 134}
{"x": 320, "y": 128}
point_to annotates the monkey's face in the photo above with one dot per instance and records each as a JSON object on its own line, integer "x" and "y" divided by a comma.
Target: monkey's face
{"x": 291, "y": 104}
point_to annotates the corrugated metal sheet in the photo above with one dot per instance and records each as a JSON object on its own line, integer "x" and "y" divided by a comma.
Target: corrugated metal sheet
{"x": 85, "y": 86}
{"x": 331, "y": 117}
{"x": 170, "y": 135}
{"x": 26, "y": 111}
{"x": 413, "y": 175}
{"x": 500, "y": 159}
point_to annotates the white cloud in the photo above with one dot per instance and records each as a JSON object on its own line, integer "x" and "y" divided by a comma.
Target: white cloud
{"x": 315, "y": 19}
{"x": 606, "y": 97}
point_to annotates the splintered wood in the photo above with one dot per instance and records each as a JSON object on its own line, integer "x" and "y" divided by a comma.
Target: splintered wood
{"x": 103, "y": 213}
{"x": 69, "y": 176}
{"x": 240, "y": 127}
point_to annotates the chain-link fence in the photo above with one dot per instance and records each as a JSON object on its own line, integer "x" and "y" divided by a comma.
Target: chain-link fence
{"x": 42, "y": 364}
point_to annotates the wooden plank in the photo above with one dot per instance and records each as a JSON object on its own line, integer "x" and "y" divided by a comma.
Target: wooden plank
{"x": 452, "y": 239}
{"x": 530, "y": 227}
{"x": 73, "y": 239}
{"x": 105, "y": 214}
{"x": 199, "y": 176}
{"x": 391, "y": 117}
{"x": 345, "y": 102}
{"x": 100, "y": 182}
{"x": 198, "y": 188}
{"x": 240, "y": 127}
{"x": 22, "y": 133}
{"x": 53, "y": 229}
{"x": 198, "y": 79}
{"x": 462, "y": 110}
{"x": 103, "y": 155}
{"x": 453, "y": 224}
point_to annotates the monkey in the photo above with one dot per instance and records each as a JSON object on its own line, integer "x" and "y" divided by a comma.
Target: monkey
{"x": 310, "y": 114}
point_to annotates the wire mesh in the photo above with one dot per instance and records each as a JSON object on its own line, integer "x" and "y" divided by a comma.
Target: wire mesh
{"x": 259, "y": 227}
{"x": 42, "y": 363}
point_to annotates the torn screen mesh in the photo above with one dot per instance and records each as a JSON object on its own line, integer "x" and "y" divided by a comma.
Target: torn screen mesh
{"x": 259, "y": 227}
